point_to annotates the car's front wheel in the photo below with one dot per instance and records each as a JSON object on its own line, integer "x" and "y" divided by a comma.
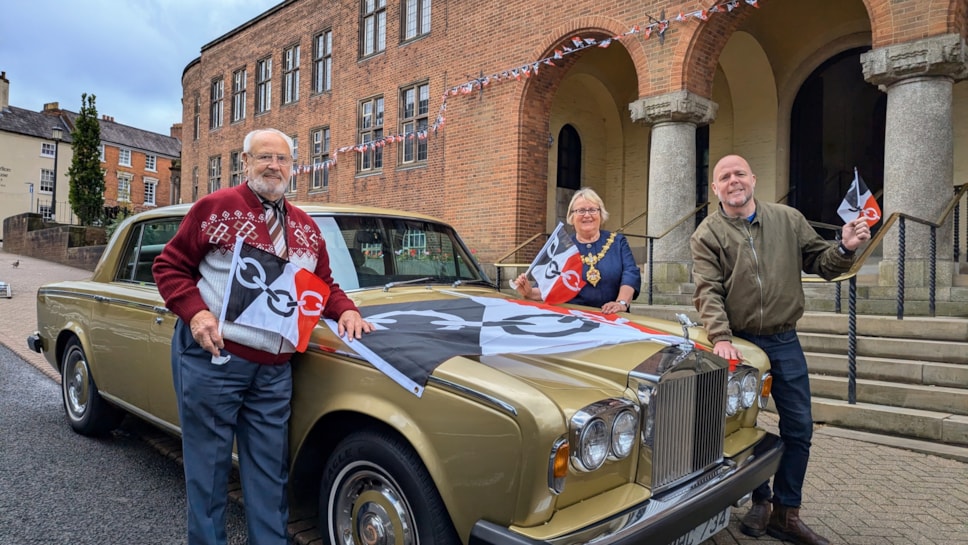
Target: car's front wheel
{"x": 87, "y": 412}
{"x": 376, "y": 490}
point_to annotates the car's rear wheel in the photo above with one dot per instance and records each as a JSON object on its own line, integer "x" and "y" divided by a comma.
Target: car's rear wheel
{"x": 87, "y": 412}
{"x": 376, "y": 490}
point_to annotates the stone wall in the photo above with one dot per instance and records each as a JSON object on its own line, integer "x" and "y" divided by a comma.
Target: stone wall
{"x": 29, "y": 235}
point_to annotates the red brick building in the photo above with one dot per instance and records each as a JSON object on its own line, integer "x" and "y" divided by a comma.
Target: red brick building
{"x": 514, "y": 105}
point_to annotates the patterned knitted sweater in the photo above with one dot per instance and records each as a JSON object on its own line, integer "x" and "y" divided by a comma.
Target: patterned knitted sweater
{"x": 193, "y": 269}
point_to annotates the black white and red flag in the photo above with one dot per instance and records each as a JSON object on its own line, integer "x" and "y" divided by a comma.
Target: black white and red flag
{"x": 557, "y": 268}
{"x": 859, "y": 202}
{"x": 270, "y": 293}
{"x": 411, "y": 339}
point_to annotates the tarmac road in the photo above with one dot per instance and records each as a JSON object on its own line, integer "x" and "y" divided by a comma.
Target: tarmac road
{"x": 57, "y": 487}
{"x": 61, "y": 488}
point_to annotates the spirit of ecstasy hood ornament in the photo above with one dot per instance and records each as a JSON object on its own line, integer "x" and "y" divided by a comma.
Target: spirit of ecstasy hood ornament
{"x": 686, "y": 324}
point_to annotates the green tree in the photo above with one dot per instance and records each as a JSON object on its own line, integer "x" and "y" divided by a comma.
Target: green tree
{"x": 87, "y": 180}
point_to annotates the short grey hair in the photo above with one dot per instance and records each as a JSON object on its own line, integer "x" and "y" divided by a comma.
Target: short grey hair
{"x": 588, "y": 194}
{"x": 247, "y": 143}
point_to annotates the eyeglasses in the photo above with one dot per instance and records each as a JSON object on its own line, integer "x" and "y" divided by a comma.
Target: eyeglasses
{"x": 589, "y": 211}
{"x": 268, "y": 158}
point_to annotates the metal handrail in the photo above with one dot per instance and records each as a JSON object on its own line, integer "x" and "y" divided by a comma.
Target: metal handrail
{"x": 652, "y": 239}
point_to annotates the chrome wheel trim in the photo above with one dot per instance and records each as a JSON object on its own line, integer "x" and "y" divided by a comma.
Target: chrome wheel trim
{"x": 77, "y": 384}
{"x": 368, "y": 507}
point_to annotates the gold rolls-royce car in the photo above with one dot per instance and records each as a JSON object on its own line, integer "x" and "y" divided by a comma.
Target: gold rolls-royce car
{"x": 468, "y": 417}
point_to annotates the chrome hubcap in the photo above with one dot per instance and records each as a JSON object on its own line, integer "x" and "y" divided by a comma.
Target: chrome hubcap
{"x": 77, "y": 387}
{"x": 369, "y": 508}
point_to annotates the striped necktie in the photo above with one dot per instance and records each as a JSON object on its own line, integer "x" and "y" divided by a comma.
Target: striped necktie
{"x": 276, "y": 231}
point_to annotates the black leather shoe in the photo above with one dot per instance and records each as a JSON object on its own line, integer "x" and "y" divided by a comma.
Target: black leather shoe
{"x": 755, "y": 521}
{"x": 785, "y": 524}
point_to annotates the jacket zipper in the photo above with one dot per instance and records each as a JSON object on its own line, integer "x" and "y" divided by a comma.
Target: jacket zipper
{"x": 756, "y": 268}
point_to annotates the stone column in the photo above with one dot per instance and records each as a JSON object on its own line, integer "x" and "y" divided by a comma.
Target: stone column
{"x": 672, "y": 177}
{"x": 918, "y": 148}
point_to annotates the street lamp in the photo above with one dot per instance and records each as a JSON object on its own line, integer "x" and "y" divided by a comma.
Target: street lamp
{"x": 57, "y": 134}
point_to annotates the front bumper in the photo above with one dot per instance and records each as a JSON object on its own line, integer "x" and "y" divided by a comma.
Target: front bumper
{"x": 35, "y": 343}
{"x": 664, "y": 518}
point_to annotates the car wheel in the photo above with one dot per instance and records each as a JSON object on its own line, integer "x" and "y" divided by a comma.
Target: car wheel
{"x": 87, "y": 412}
{"x": 375, "y": 490}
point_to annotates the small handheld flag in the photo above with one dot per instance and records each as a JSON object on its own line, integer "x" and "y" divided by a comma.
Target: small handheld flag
{"x": 557, "y": 268}
{"x": 859, "y": 202}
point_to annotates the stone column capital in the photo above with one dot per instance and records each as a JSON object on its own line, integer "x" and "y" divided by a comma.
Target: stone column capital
{"x": 679, "y": 106}
{"x": 939, "y": 56}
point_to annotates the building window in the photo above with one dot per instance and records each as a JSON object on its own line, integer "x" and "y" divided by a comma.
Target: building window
{"x": 290, "y": 75}
{"x": 196, "y": 120}
{"x": 235, "y": 168}
{"x": 124, "y": 187}
{"x": 46, "y": 149}
{"x": 321, "y": 146}
{"x": 323, "y": 62}
{"x": 214, "y": 173}
{"x": 46, "y": 181}
{"x": 239, "y": 80}
{"x": 218, "y": 96}
{"x": 124, "y": 157}
{"x": 194, "y": 184}
{"x": 46, "y": 211}
{"x": 414, "y": 113}
{"x": 416, "y": 18}
{"x": 151, "y": 163}
{"x": 373, "y": 27}
{"x": 263, "y": 85}
{"x": 150, "y": 189}
{"x": 295, "y": 164}
{"x": 371, "y": 130}
{"x": 100, "y": 153}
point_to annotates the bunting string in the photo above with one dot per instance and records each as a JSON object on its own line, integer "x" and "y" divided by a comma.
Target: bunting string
{"x": 656, "y": 26}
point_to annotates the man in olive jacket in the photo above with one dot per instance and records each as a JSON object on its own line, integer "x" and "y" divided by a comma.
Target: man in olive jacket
{"x": 747, "y": 260}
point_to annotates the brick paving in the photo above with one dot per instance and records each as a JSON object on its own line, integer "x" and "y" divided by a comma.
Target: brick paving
{"x": 861, "y": 489}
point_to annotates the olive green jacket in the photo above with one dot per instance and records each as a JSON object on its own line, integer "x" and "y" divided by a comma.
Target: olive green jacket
{"x": 747, "y": 274}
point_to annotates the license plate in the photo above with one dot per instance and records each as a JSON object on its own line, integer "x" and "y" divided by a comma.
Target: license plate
{"x": 705, "y": 530}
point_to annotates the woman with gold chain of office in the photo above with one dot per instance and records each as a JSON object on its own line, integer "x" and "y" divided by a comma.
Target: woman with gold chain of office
{"x": 612, "y": 278}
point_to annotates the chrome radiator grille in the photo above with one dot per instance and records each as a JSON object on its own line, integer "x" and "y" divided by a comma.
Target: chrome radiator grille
{"x": 690, "y": 422}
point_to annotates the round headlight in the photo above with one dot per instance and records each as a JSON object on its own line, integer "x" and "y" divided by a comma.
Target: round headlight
{"x": 732, "y": 397}
{"x": 749, "y": 390}
{"x": 623, "y": 434}
{"x": 594, "y": 444}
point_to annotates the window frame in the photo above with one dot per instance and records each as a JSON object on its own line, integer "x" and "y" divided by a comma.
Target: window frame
{"x": 421, "y": 19}
{"x": 240, "y": 82}
{"x": 151, "y": 189}
{"x": 413, "y": 149}
{"x": 46, "y": 179}
{"x": 214, "y": 173}
{"x": 124, "y": 186}
{"x": 151, "y": 162}
{"x": 290, "y": 74}
{"x": 321, "y": 139}
{"x": 373, "y": 27}
{"x": 48, "y": 149}
{"x": 370, "y": 129}
{"x": 236, "y": 171}
{"x": 323, "y": 61}
{"x": 124, "y": 157}
{"x": 216, "y": 114}
{"x": 263, "y": 85}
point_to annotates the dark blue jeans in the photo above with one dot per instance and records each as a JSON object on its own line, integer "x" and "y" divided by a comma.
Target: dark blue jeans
{"x": 791, "y": 395}
{"x": 241, "y": 401}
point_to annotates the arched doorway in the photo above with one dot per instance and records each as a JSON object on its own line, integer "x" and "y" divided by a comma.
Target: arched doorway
{"x": 837, "y": 124}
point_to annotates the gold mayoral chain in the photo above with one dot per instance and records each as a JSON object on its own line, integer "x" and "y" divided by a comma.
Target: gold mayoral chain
{"x": 593, "y": 275}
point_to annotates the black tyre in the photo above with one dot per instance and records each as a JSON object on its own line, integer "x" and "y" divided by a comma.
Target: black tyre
{"x": 87, "y": 412}
{"x": 375, "y": 490}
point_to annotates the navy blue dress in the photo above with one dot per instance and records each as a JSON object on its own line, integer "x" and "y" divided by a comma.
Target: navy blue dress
{"x": 617, "y": 268}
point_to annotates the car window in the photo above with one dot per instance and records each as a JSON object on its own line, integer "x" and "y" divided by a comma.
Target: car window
{"x": 368, "y": 251}
{"x": 145, "y": 242}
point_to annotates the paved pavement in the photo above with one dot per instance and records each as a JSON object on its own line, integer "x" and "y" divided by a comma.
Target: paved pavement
{"x": 861, "y": 488}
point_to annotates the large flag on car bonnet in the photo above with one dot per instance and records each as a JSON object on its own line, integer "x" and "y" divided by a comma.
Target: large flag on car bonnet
{"x": 272, "y": 294}
{"x": 859, "y": 202}
{"x": 411, "y": 339}
{"x": 557, "y": 268}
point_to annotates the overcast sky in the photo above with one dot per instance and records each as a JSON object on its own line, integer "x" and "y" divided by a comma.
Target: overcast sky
{"x": 130, "y": 54}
